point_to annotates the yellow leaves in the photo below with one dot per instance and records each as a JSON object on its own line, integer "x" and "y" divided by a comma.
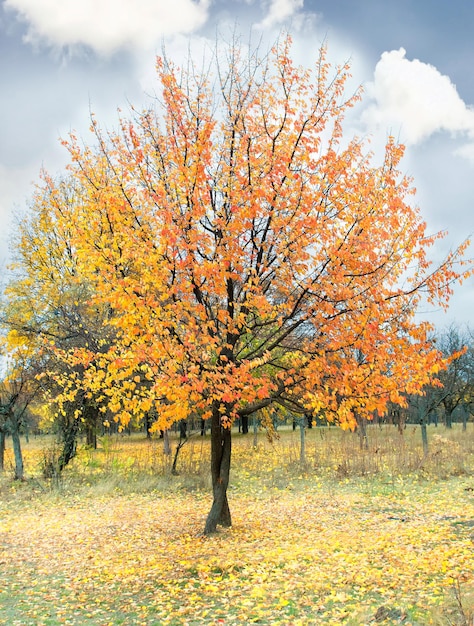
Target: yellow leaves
{"x": 15, "y": 340}
{"x": 254, "y": 363}
{"x": 399, "y": 545}
{"x": 258, "y": 593}
{"x": 114, "y": 406}
{"x": 316, "y": 403}
{"x": 146, "y": 404}
{"x": 124, "y": 417}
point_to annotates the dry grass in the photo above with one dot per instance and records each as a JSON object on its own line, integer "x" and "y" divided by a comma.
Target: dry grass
{"x": 351, "y": 536}
{"x": 330, "y": 453}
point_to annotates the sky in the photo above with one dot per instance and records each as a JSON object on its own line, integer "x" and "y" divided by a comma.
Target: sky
{"x": 60, "y": 60}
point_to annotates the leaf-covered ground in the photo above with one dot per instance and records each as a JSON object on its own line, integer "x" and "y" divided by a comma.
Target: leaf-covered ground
{"x": 356, "y": 551}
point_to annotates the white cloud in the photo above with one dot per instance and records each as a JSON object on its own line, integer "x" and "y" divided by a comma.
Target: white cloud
{"x": 414, "y": 99}
{"x": 108, "y": 25}
{"x": 279, "y": 11}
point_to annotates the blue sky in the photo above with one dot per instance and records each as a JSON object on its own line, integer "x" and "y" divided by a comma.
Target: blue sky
{"x": 61, "y": 59}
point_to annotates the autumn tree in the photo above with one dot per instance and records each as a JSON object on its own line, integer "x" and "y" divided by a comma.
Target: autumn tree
{"x": 250, "y": 255}
{"x": 46, "y": 307}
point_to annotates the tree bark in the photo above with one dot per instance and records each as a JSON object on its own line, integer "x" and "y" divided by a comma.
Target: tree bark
{"x": 448, "y": 418}
{"x": 362, "y": 432}
{"x": 221, "y": 446}
{"x": 69, "y": 443}
{"x": 147, "y": 423}
{"x": 16, "y": 444}
{"x": 302, "y": 443}
{"x": 91, "y": 437}
{"x": 181, "y": 443}
{"x": 91, "y": 418}
{"x": 2, "y": 450}
{"x": 183, "y": 426}
{"x": 401, "y": 422}
{"x": 166, "y": 443}
{"x": 424, "y": 435}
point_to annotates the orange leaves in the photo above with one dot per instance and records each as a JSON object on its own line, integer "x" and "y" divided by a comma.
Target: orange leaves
{"x": 227, "y": 246}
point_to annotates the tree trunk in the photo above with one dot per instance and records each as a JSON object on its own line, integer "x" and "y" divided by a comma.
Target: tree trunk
{"x": 183, "y": 426}
{"x": 2, "y": 450}
{"x": 166, "y": 443}
{"x": 91, "y": 418}
{"x": 424, "y": 435}
{"x": 221, "y": 446}
{"x": 449, "y": 419}
{"x": 19, "y": 468}
{"x": 244, "y": 420}
{"x": 401, "y": 422}
{"x": 362, "y": 432}
{"x": 255, "y": 430}
{"x": 302, "y": 443}
{"x": 181, "y": 443}
{"x": 91, "y": 437}
{"x": 147, "y": 424}
{"x": 69, "y": 443}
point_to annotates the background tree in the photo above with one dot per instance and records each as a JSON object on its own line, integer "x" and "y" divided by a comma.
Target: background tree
{"x": 249, "y": 255}
{"x": 18, "y": 388}
{"x": 458, "y": 378}
{"x": 451, "y": 389}
{"x": 422, "y": 408}
{"x": 46, "y": 307}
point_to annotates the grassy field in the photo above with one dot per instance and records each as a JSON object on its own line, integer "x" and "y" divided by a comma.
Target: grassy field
{"x": 347, "y": 535}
